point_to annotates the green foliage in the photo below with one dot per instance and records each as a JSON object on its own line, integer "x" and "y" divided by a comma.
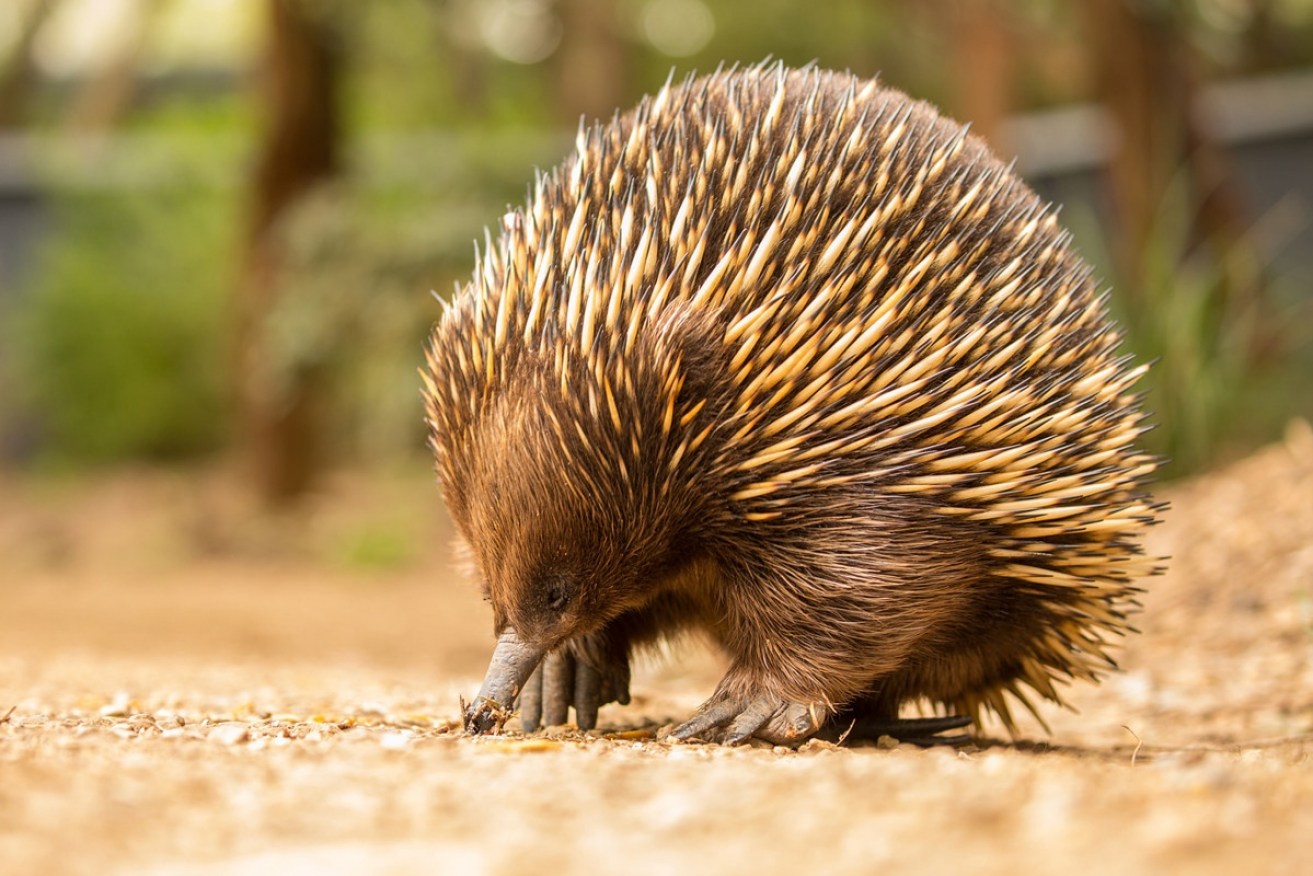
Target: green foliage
{"x": 379, "y": 547}
{"x": 352, "y": 308}
{"x": 1199, "y": 354}
{"x": 118, "y": 341}
{"x": 1188, "y": 314}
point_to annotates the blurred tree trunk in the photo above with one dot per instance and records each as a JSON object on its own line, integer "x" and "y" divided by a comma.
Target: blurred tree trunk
{"x": 463, "y": 54}
{"x": 107, "y": 96}
{"x": 1139, "y": 78}
{"x": 980, "y": 61}
{"x": 16, "y": 70}
{"x": 1145, "y": 76}
{"x": 299, "y": 151}
{"x": 1268, "y": 42}
{"x": 591, "y": 62}
{"x": 469, "y": 72}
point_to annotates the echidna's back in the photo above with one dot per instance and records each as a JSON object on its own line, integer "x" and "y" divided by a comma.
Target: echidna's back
{"x": 895, "y": 302}
{"x": 894, "y": 306}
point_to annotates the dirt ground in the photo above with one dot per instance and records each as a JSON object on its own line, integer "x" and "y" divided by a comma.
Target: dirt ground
{"x": 186, "y": 688}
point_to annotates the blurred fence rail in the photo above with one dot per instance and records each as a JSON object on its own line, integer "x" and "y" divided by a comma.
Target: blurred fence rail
{"x": 1080, "y": 138}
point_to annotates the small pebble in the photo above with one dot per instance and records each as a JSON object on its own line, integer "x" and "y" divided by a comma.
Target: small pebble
{"x": 818, "y": 745}
{"x": 395, "y": 741}
{"x": 119, "y": 707}
{"x": 230, "y": 734}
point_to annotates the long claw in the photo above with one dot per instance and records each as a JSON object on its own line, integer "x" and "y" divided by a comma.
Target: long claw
{"x": 531, "y": 701}
{"x": 931, "y": 741}
{"x": 709, "y": 717}
{"x": 558, "y": 687}
{"x": 749, "y": 721}
{"x": 587, "y": 695}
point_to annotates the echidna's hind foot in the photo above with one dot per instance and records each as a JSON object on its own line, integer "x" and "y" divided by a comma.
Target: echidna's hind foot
{"x": 924, "y": 732}
{"x": 733, "y": 720}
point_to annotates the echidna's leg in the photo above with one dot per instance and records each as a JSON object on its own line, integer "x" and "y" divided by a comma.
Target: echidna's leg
{"x": 558, "y": 688}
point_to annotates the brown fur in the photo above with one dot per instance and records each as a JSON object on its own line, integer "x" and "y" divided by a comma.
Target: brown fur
{"x": 789, "y": 358}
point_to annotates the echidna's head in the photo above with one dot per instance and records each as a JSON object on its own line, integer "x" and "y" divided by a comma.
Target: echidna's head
{"x": 552, "y": 559}
{"x": 569, "y": 482}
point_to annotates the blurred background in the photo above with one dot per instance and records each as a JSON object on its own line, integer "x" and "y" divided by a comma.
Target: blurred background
{"x": 220, "y": 219}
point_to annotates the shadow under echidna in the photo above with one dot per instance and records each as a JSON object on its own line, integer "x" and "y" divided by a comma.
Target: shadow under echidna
{"x": 787, "y": 357}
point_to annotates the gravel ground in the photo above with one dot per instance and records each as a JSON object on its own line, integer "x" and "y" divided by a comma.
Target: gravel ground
{"x": 188, "y": 689}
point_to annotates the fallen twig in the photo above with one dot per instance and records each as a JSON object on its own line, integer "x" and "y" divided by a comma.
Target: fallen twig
{"x": 1139, "y": 743}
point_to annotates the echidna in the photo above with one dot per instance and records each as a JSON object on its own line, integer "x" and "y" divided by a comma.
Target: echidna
{"x": 788, "y": 357}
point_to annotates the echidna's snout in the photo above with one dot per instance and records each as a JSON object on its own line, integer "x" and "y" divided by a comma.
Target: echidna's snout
{"x": 513, "y": 661}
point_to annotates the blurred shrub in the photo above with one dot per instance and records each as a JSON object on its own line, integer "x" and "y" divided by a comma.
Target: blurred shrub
{"x": 117, "y": 342}
{"x": 353, "y": 308}
{"x": 119, "y": 346}
{"x": 359, "y": 261}
{"x": 1225, "y": 363}
{"x": 378, "y": 547}
{"x": 1199, "y": 355}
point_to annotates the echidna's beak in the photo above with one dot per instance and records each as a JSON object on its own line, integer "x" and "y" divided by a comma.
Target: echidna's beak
{"x": 513, "y": 661}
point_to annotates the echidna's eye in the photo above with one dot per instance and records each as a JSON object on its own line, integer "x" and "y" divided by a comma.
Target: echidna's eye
{"x": 557, "y": 598}
{"x": 553, "y": 594}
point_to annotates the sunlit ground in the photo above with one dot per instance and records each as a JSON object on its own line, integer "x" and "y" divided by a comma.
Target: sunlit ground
{"x": 196, "y": 692}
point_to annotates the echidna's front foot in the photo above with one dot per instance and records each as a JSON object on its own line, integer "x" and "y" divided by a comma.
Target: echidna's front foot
{"x": 587, "y": 674}
{"x": 737, "y": 719}
{"x": 565, "y": 679}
